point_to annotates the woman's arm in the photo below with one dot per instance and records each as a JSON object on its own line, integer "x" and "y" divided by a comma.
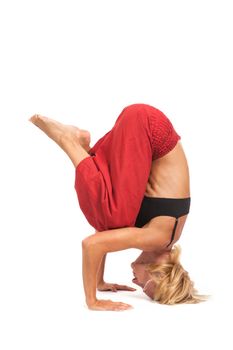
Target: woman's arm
{"x": 96, "y": 246}
{"x": 92, "y": 256}
{"x": 100, "y": 274}
{"x": 103, "y": 286}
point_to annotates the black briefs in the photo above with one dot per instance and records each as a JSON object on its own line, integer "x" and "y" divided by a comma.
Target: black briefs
{"x": 155, "y": 206}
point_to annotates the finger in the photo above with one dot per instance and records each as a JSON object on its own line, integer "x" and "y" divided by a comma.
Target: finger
{"x": 120, "y": 308}
{"x": 131, "y": 289}
{"x": 123, "y": 306}
{"x": 122, "y": 287}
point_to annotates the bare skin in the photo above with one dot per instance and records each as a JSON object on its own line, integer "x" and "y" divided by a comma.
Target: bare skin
{"x": 103, "y": 286}
{"x": 141, "y": 276}
{"x": 73, "y": 141}
{"x": 169, "y": 178}
{"x": 168, "y": 173}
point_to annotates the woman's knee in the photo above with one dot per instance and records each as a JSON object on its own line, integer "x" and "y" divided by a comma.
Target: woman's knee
{"x": 132, "y": 114}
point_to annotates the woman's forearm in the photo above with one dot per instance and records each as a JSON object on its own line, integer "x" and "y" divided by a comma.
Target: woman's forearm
{"x": 92, "y": 256}
{"x": 100, "y": 274}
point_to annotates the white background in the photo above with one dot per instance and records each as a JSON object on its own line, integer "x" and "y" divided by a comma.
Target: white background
{"x": 82, "y": 62}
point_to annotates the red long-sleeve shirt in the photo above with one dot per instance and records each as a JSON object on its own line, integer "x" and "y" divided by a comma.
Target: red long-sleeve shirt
{"x": 111, "y": 183}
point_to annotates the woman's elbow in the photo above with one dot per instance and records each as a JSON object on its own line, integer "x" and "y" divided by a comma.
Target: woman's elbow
{"x": 87, "y": 243}
{"x": 94, "y": 245}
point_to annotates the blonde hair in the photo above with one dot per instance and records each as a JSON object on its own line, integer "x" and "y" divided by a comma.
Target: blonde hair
{"x": 173, "y": 284}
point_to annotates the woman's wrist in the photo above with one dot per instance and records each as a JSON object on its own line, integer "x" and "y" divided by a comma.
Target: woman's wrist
{"x": 91, "y": 301}
{"x": 100, "y": 283}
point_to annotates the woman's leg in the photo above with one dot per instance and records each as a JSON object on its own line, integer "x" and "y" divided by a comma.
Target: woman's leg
{"x": 73, "y": 141}
{"x": 110, "y": 185}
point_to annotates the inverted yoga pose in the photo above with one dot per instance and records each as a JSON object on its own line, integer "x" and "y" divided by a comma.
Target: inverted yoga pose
{"x": 133, "y": 188}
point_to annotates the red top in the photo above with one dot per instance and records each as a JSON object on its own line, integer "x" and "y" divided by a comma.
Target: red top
{"x": 111, "y": 183}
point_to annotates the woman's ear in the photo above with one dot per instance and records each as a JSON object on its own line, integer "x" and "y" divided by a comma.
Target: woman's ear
{"x": 149, "y": 288}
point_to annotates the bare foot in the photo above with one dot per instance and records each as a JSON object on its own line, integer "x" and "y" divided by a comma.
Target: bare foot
{"x": 58, "y": 131}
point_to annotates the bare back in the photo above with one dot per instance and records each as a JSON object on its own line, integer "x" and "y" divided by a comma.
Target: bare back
{"x": 169, "y": 175}
{"x": 169, "y": 178}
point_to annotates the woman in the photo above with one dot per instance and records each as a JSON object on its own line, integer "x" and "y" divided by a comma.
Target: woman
{"x": 133, "y": 188}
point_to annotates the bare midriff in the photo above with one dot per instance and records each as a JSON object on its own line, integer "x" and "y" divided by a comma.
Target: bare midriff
{"x": 169, "y": 178}
{"x": 169, "y": 175}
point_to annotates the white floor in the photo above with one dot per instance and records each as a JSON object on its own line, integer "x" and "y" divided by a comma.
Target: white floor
{"x": 82, "y": 62}
{"x": 42, "y": 302}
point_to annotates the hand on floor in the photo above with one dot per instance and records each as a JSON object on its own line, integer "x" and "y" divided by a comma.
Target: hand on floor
{"x": 109, "y": 305}
{"x": 113, "y": 287}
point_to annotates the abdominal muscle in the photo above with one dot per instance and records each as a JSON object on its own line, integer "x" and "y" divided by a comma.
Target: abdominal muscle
{"x": 169, "y": 175}
{"x": 169, "y": 178}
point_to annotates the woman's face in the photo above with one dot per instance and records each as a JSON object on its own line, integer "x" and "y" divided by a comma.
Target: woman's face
{"x": 141, "y": 276}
